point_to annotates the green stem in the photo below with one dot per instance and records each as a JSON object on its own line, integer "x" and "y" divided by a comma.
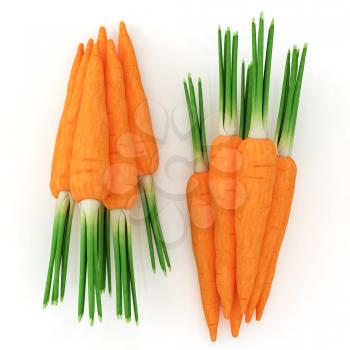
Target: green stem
{"x": 83, "y": 261}
{"x": 199, "y": 157}
{"x": 243, "y": 105}
{"x": 124, "y": 266}
{"x": 97, "y": 271}
{"x": 90, "y": 208}
{"x": 228, "y": 81}
{"x": 197, "y": 126}
{"x": 221, "y": 80}
{"x": 248, "y": 101}
{"x": 234, "y": 80}
{"x": 283, "y": 100}
{"x": 108, "y": 250}
{"x": 52, "y": 252}
{"x": 256, "y": 124}
{"x": 284, "y": 141}
{"x": 267, "y": 74}
{"x": 131, "y": 266}
{"x": 296, "y": 98}
{"x": 148, "y": 225}
{"x": 260, "y": 77}
{"x": 101, "y": 247}
{"x": 160, "y": 231}
{"x": 117, "y": 265}
{"x": 66, "y": 246}
{"x": 58, "y": 254}
{"x": 203, "y": 138}
{"x": 146, "y": 182}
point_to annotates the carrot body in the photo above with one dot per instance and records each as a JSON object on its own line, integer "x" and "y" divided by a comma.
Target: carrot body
{"x": 123, "y": 175}
{"x": 277, "y": 223}
{"x": 65, "y": 135}
{"x": 139, "y": 114}
{"x": 102, "y": 44}
{"x": 256, "y": 180}
{"x": 222, "y": 185}
{"x": 236, "y": 316}
{"x": 202, "y": 228}
{"x": 90, "y": 157}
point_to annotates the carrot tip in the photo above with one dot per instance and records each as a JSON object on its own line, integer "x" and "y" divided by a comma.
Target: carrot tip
{"x": 258, "y": 317}
{"x": 235, "y": 327}
{"x": 213, "y": 332}
{"x": 227, "y": 312}
{"x": 248, "y": 316}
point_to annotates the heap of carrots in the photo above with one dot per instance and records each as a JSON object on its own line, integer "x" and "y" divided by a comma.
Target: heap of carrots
{"x": 240, "y": 198}
{"x": 105, "y": 151}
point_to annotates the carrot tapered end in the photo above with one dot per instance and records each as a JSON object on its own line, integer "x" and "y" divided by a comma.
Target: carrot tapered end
{"x": 227, "y": 311}
{"x": 213, "y": 332}
{"x": 249, "y": 315}
{"x": 122, "y": 28}
{"x": 89, "y": 45}
{"x": 80, "y": 50}
{"x": 102, "y": 43}
{"x": 102, "y": 34}
{"x": 235, "y": 327}
{"x": 259, "y": 312}
{"x": 123, "y": 33}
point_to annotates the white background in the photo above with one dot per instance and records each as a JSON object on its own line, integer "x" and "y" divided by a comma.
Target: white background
{"x": 309, "y": 305}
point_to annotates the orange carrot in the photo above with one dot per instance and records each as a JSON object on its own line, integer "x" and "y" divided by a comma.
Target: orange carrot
{"x": 90, "y": 156}
{"x": 276, "y": 227}
{"x": 65, "y": 135}
{"x": 59, "y": 183}
{"x": 222, "y": 174}
{"x": 102, "y": 44}
{"x": 139, "y": 114}
{"x": 123, "y": 186}
{"x": 236, "y": 316}
{"x": 90, "y": 160}
{"x": 201, "y": 214}
{"x": 256, "y": 179}
{"x": 146, "y": 150}
{"x": 222, "y": 185}
{"x": 202, "y": 229}
{"x": 285, "y": 180}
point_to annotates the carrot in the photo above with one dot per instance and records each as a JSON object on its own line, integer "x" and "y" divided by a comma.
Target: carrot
{"x": 255, "y": 178}
{"x": 245, "y": 114}
{"x": 222, "y": 173}
{"x": 123, "y": 186}
{"x": 285, "y": 180}
{"x": 145, "y": 146}
{"x": 59, "y": 183}
{"x": 201, "y": 214}
{"x": 90, "y": 159}
{"x": 103, "y": 234}
{"x": 236, "y": 316}
{"x": 102, "y": 44}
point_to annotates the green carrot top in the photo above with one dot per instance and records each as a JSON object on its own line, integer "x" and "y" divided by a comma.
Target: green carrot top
{"x": 288, "y": 110}
{"x": 228, "y": 82}
{"x": 260, "y": 78}
{"x": 196, "y": 116}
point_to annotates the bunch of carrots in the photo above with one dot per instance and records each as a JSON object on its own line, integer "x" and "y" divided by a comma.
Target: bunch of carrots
{"x": 239, "y": 198}
{"x": 105, "y": 152}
